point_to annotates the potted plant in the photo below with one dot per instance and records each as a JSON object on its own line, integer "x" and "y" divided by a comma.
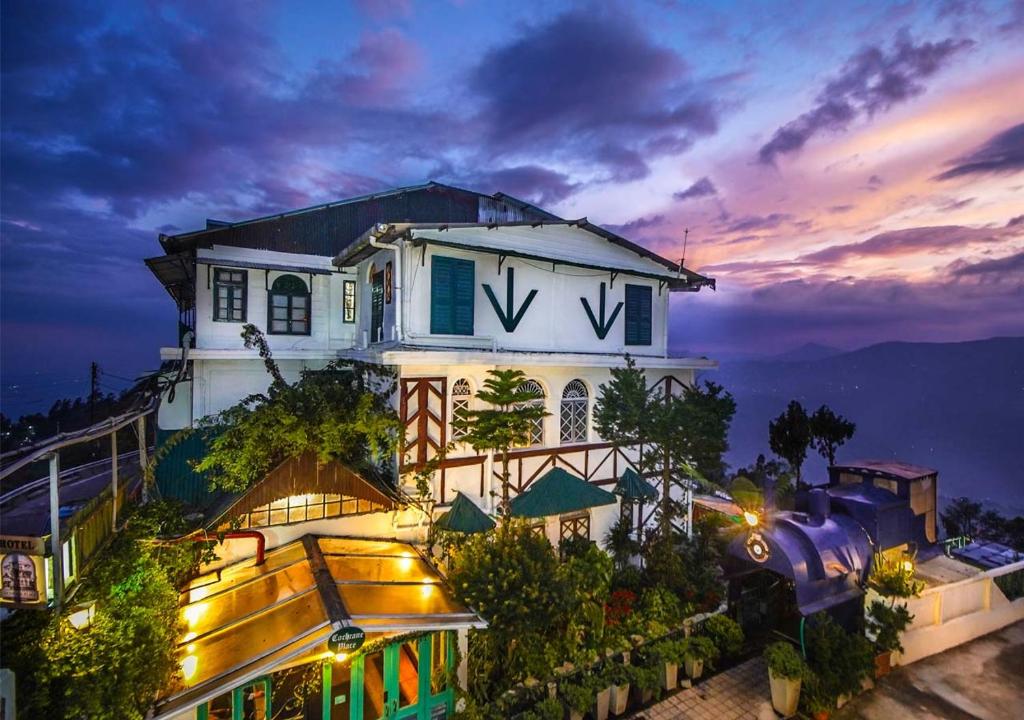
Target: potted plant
{"x": 647, "y": 682}
{"x": 546, "y": 709}
{"x": 578, "y": 698}
{"x": 840, "y": 660}
{"x": 697, "y": 651}
{"x": 619, "y": 678}
{"x": 725, "y": 633}
{"x": 602, "y": 696}
{"x": 893, "y": 579}
{"x": 786, "y": 670}
{"x": 667, "y": 654}
{"x": 814, "y": 700}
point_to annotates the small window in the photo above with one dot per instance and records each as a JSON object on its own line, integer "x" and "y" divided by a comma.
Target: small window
{"x": 348, "y": 291}
{"x": 229, "y": 291}
{"x": 574, "y": 527}
{"x": 537, "y": 430}
{"x": 573, "y": 414}
{"x": 462, "y": 394}
{"x": 288, "y": 307}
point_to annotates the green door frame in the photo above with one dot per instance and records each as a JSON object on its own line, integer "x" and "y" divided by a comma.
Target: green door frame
{"x": 420, "y": 710}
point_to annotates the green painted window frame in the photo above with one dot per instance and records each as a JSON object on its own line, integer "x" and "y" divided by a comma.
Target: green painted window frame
{"x": 348, "y": 301}
{"x": 288, "y": 287}
{"x": 452, "y": 293}
{"x": 638, "y": 326}
{"x": 235, "y": 289}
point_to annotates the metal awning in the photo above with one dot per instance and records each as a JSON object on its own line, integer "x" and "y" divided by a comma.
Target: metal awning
{"x": 246, "y": 619}
{"x": 464, "y": 516}
{"x": 250, "y": 265}
{"x": 177, "y": 273}
{"x": 558, "y": 492}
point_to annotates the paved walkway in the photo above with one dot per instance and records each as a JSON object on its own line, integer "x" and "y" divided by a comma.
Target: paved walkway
{"x": 741, "y": 692}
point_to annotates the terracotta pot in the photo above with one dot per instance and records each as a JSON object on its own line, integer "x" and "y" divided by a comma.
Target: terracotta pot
{"x": 670, "y": 681}
{"x": 822, "y": 715}
{"x": 619, "y": 699}
{"x": 694, "y": 668}
{"x": 602, "y": 703}
{"x": 785, "y": 694}
{"x": 883, "y": 664}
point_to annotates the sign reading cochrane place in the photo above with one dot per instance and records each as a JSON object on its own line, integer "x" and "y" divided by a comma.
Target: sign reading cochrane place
{"x": 346, "y": 640}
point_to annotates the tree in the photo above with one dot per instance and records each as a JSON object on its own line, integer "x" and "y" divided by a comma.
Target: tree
{"x": 681, "y": 436}
{"x": 829, "y": 431}
{"x": 789, "y": 436}
{"x": 766, "y": 473}
{"x": 341, "y": 412}
{"x": 961, "y": 518}
{"x": 505, "y": 424}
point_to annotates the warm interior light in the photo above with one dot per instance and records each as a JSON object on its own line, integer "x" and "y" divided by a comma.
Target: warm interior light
{"x": 908, "y": 566}
{"x": 405, "y": 564}
{"x": 189, "y": 636}
{"x": 340, "y": 657}
{"x": 193, "y": 613}
{"x": 751, "y": 518}
{"x": 82, "y": 616}
{"x": 426, "y": 589}
{"x": 189, "y": 666}
{"x": 197, "y": 594}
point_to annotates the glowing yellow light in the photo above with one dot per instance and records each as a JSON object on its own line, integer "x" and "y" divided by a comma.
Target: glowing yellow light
{"x": 189, "y": 666}
{"x": 188, "y": 636}
{"x": 193, "y": 613}
{"x": 82, "y": 615}
{"x": 908, "y": 566}
{"x": 426, "y": 589}
{"x": 751, "y": 518}
{"x": 197, "y": 594}
{"x": 340, "y": 657}
{"x": 405, "y": 564}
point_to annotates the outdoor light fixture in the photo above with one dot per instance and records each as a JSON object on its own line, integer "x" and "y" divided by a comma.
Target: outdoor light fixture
{"x": 426, "y": 589}
{"x": 189, "y": 666}
{"x": 908, "y": 566}
{"x": 340, "y": 657}
{"x": 406, "y": 562}
{"x": 193, "y": 613}
{"x": 751, "y": 518}
{"x": 82, "y": 615}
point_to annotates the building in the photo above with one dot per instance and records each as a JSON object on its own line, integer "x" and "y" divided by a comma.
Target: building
{"x": 442, "y": 285}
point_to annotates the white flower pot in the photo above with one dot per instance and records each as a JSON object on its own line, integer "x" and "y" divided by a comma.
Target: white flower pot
{"x": 785, "y": 694}
{"x": 620, "y": 699}
{"x": 694, "y": 668}
{"x": 602, "y": 704}
{"x": 671, "y": 679}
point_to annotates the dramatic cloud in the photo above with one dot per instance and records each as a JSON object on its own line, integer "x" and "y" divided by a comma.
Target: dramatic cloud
{"x": 997, "y": 270}
{"x": 635, "y": 226}
{"x": 871, "y": 81}
{"x": 592, "y": 84}
{"x": 1003, "y": 153}
{"x": 758, "y": 222}
{"x": 527, "y": 182}
{"x": 902, "y": 242}
{"x": 702, "y": 188}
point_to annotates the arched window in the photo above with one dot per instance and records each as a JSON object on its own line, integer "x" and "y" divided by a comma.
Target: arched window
{"x": 573, "y": 415}
{"x": 537, "y": 431}
{"x": 288, "y": 306}
{"x": 462, "y": 394}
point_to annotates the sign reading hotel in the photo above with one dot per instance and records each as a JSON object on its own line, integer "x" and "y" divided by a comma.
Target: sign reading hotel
{"x": 22, "y": 577}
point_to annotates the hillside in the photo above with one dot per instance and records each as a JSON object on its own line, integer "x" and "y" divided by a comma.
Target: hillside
{"x": 957, "y": 407}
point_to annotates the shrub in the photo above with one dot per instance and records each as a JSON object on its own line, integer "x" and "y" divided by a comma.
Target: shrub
{"x": 547, "y": 709}
{"x": 616, "y": 674}
{"x": 579, "y": 697}
{"x": 840, "y": 660}
{"x": 667, "y": 651}
{"x": 647, "y": 678}
{"x": 784, "y": 661}
{"x": 887, "y": 623}
{"x": 660, "y": 611}
{"x": 700, "y": 648}
{"x": 725, "y": 633}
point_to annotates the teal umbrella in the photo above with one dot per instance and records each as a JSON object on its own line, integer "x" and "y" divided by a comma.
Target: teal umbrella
{"x": 464, "y": 516}
{"x": 633, "y": 487}
{"x": 558, "y": 492}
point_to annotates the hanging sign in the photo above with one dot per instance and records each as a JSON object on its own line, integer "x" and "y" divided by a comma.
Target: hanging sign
{"x": 346, "y": 640}
{"x": 22, "y": 544}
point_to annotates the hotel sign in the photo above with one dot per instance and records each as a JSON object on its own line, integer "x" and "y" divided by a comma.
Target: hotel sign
{"x": 22, "y": 575}
{"x": 22, "y": 544}
{"x": 346, "y": 640}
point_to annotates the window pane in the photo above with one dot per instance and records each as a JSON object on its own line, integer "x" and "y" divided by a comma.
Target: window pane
{"x": 408, "y": 673}
{"x": 279, "y": 300}
{"x": 299, "y": 301}
{"x": 373, "y": 686}
{"x": 341, "y": 691}
{"x": 279, "y": 326}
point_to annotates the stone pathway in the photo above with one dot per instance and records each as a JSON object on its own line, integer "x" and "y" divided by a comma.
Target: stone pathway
{"x": 741, "y": 692}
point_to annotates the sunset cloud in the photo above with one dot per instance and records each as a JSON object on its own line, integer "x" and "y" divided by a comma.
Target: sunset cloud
{"x": 1003, "y": 153}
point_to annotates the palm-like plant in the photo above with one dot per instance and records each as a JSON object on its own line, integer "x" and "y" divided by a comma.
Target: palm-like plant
{"x": 506, "y": 421}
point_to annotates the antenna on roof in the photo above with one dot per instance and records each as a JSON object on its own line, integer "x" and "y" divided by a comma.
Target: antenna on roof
{"x": 682, "y": 260}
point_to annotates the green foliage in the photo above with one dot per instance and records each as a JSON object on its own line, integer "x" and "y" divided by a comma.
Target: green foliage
{"x": 660, "y": 611}
{"x": 667, "y": 651}
{"x": 615, "y": 673}
{"x": 647, "y": 678}
{"x": 689, "y": 567}
{"x": 684, "y": 436}
{"x": 700, "y": 647}
{"x": 578, "y": 696}
{"x": 887, "y": 622}
{"x": 506, "y": 421}
{"x": 587, "y": 578}
{"x": 115, "y": 667}
{"x": 893, "y": 576}
{"x": 547, "y": 709}
{"x": 829, "y": 431}
{"x": 764, "y": 473}
{"x": 962, "y": 517}
{"x": 341, "y": 412}
{"x": 725, "y": 633}
{"x": 746, "y": 494}
{"x": 839, "y": 660}
{"x": 784, "y": 661}
{"x": 621, "y": 543}
{"x": 789, "y": 436}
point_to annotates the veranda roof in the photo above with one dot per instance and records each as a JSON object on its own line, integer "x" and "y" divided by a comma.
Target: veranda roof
{"x": 464, "y": 516}
{"x": 558, "y": 492}
{"x": 245, "y": 620}
{"x": 633, "y": 487}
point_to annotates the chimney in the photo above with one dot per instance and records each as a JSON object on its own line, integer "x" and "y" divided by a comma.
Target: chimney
{"x": 817, "y": 506}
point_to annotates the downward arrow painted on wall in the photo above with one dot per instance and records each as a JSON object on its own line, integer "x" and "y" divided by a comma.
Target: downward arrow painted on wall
{"x": 600, "y": 326}
{"x": 509, "y": 319}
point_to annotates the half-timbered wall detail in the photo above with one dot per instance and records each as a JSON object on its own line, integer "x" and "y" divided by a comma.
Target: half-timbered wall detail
{"x": 423, "y": 404}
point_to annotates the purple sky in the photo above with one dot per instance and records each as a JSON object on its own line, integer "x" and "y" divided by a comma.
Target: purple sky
{"x": 851, "y": 173}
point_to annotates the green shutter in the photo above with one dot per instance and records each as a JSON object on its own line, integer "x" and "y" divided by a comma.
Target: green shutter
{"x": 638, "y": 315}
{"x": 451, "y": 296}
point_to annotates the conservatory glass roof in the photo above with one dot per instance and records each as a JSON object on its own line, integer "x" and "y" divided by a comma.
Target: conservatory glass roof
{"x": 244, "y": 620}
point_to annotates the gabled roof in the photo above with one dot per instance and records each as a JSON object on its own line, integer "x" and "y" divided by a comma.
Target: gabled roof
{"x": 558, "y": 492}
{"x": 464, "y": 517}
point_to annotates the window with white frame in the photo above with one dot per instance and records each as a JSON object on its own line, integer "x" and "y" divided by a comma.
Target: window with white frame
{"x": 537, "y": 430}
{"x": 573, "y": 412}
{"x": 348, "y": 308}
{"x": 462, "y": 394}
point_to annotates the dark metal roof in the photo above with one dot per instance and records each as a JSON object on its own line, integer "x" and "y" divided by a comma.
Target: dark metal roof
{"x": 464, "y": 517}
{"x": 895, "y": 469}
{"x": 634, "y": 487}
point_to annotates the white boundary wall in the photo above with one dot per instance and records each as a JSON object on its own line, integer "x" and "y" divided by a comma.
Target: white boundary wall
{"x": 949, "y": 615}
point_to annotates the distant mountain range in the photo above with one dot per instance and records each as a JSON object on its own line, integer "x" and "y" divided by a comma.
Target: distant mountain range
{"x": 956, "y": 407}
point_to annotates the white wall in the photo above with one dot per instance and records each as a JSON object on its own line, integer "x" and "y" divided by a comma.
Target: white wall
{"x": 327, "y": 331}
{"x": 219, "y": 384}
